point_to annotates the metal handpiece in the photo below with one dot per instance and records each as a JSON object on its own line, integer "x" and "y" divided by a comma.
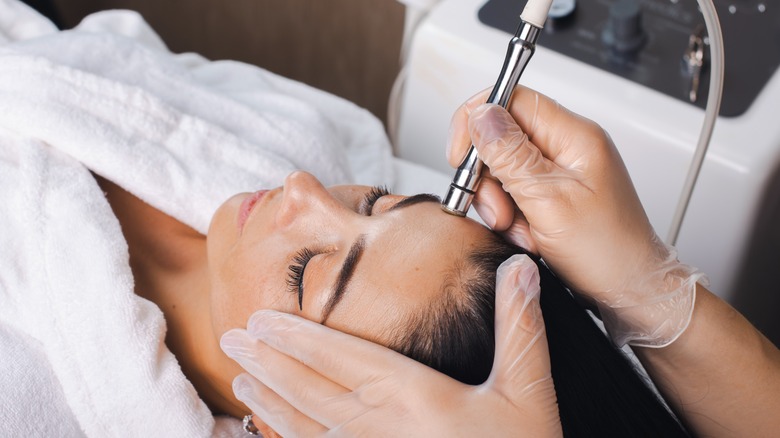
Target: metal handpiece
{"x": 464, "y": 184}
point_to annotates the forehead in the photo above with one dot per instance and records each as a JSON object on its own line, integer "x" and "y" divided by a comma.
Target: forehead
{"x": 404, "y": 268}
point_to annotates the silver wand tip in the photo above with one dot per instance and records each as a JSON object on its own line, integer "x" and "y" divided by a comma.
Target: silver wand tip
{"x": 458, "y": 201}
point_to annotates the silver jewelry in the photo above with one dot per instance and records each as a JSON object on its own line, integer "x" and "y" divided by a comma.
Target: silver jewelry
{"x": 250, "y": 427}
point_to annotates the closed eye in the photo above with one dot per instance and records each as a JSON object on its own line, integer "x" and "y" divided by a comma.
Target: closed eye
{"x": 295, "y": 273}
{"x": 373, "y": 195}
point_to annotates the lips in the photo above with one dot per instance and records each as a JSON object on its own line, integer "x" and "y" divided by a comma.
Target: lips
{"x": 246, "y": 208}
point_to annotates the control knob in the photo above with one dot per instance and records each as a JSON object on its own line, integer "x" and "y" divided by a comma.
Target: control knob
{"x": 624, "y": 32}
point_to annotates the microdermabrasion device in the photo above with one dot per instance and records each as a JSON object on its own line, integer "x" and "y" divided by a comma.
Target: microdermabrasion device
{"x": 521, "y": 48}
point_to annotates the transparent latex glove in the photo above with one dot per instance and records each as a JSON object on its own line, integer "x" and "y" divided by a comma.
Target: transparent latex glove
{"x": 557, "y": 186}
{"x": 308, "y": 380}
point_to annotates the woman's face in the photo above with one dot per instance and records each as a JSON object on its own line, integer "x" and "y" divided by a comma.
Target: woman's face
{"x": 351, "y": 257}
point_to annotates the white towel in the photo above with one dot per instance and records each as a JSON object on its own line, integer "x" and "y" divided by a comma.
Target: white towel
{"x": 19, "y": 21}
{"x": 179, "y": 132}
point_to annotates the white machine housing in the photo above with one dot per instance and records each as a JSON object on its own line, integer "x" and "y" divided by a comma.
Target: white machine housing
{"x": 453, "y": 55}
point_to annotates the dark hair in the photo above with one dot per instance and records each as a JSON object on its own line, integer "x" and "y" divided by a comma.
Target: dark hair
{"x": 599, "y": 390}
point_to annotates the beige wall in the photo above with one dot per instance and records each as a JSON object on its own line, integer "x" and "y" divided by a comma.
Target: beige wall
{"x": 347, "y": 47}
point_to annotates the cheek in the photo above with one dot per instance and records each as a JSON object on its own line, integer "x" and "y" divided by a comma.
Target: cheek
{"x": 223, "y": 231}
{"x": 241, "y": 283}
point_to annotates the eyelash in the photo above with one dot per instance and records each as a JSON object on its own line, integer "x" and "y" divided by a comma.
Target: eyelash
{"x": 372, "y": 196}
{"x": 301, "y": 259}
{"x": 295, "y": 273}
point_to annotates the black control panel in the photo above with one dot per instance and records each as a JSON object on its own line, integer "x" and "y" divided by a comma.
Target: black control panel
{"x": 661, "y": 44}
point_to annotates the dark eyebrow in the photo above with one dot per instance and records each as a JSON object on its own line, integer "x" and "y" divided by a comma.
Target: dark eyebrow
{"x": 347, "y": 269}
{"x": 415, "y": 199}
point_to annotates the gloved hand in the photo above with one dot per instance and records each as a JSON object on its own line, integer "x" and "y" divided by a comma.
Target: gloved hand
{"x": 311, "y": 380}
{"x": 578, "y": 209}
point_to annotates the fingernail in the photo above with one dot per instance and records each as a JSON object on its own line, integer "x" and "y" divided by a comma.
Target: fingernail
{"x": 488, "y": 215}
{"x": 262, "y": 322}
{"x": 523, "y": 276}
{"x": 241, "y": 388}
{"x": 235, "y": 343}
{"x": 490, "y": 123}
{"x": 481, "y": 109}
{"x": 474, "y": 128}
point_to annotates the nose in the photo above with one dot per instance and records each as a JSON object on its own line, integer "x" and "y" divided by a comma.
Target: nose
{"x": 305, "y": 197}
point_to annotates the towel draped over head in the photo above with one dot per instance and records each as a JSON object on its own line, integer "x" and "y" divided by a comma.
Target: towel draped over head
{"x": 178, "y": 131}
